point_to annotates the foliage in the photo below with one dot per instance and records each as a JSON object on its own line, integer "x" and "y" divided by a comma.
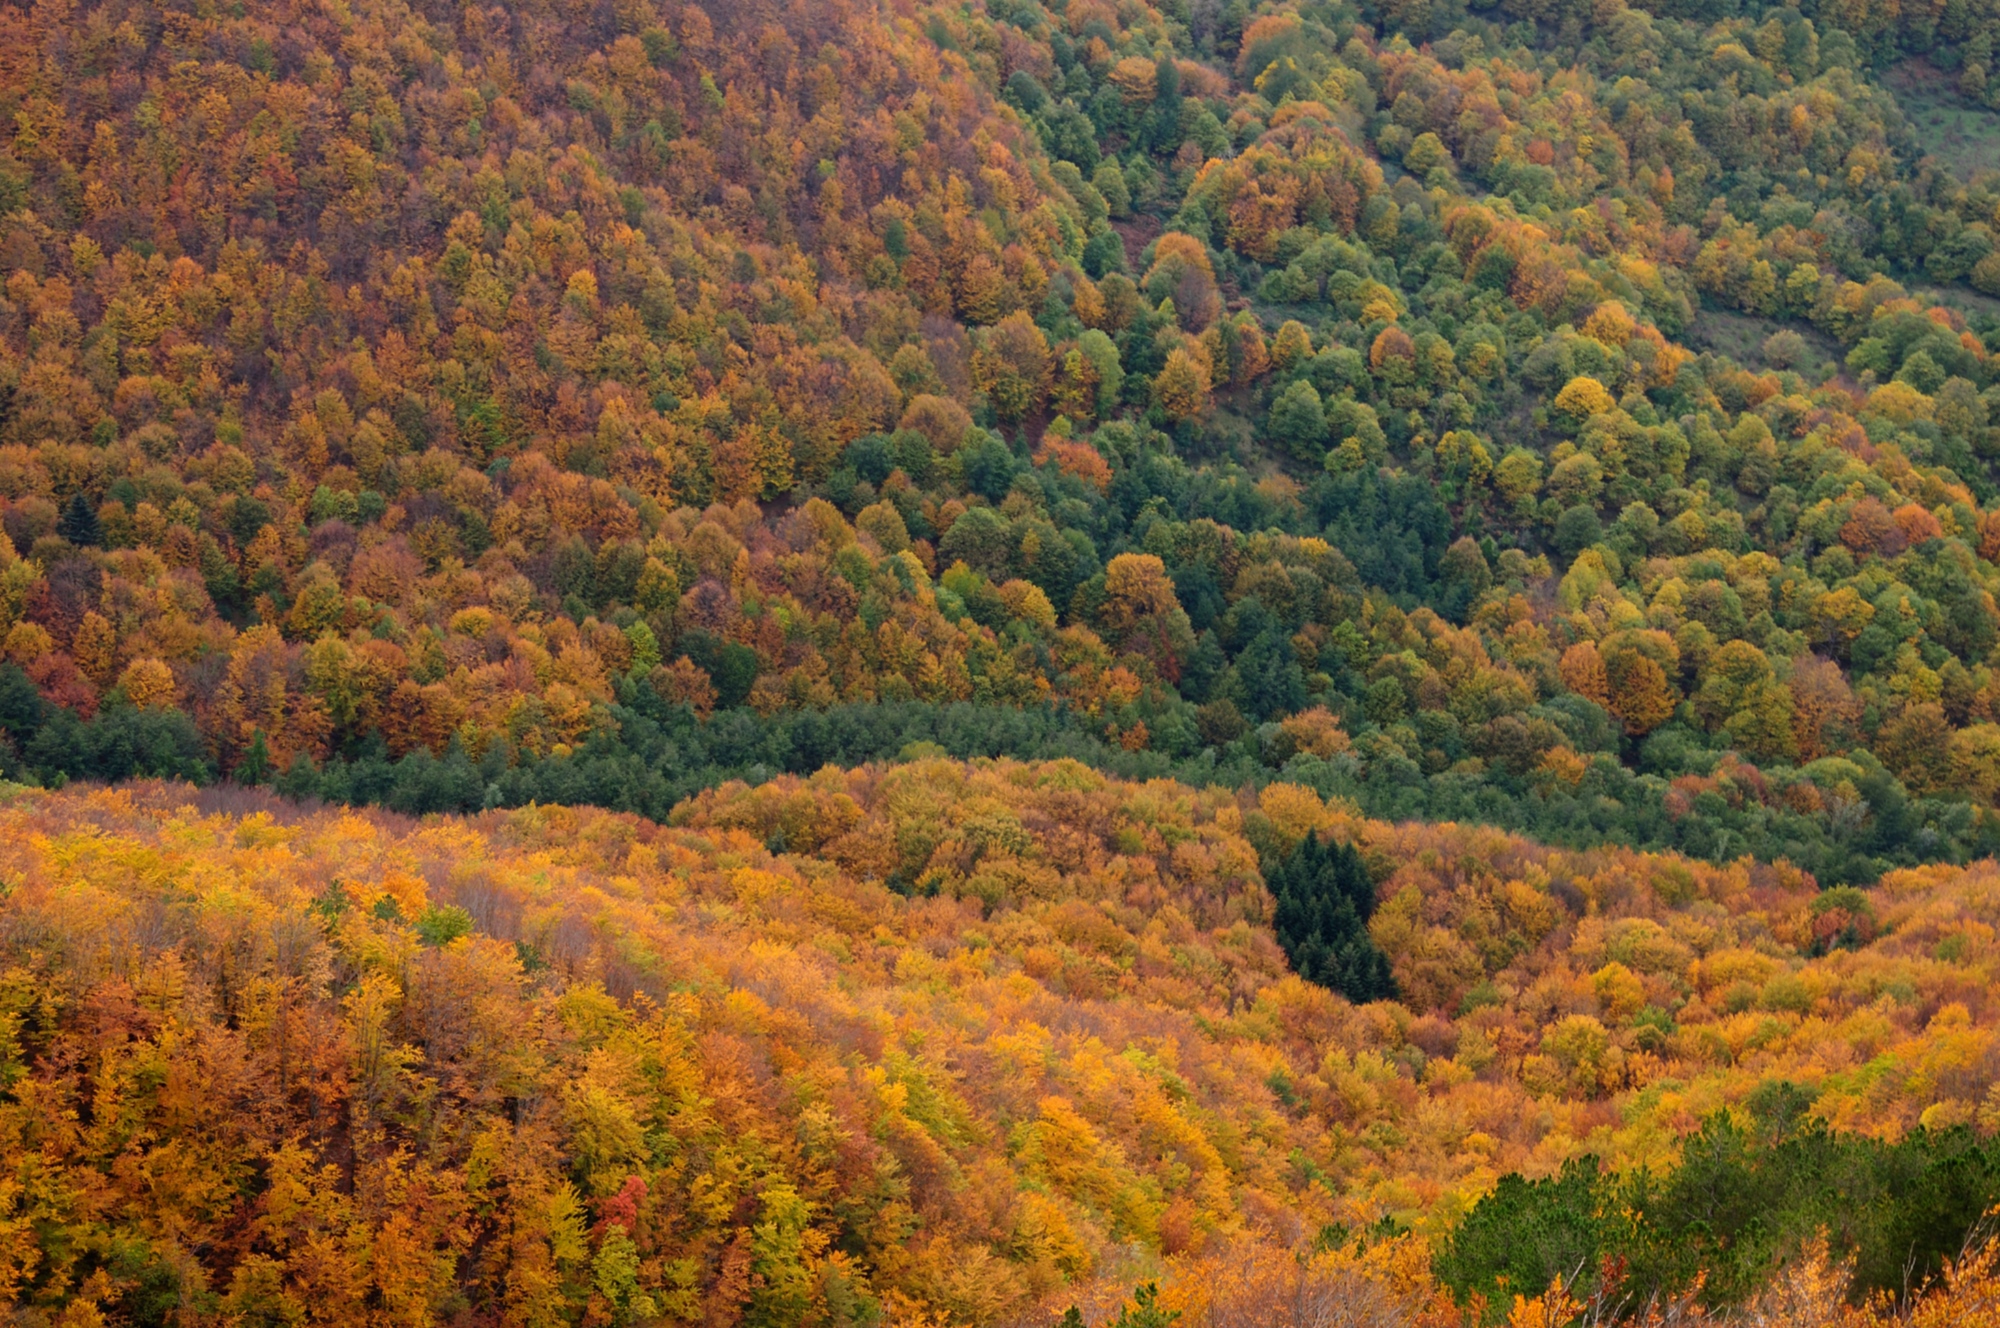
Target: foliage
{"x": 1324, "y": 900}
{"x": 1738, "y": 1201}
{"x": 1257, "y": 439}
{"x": 518, "y": 405}
{"x": 571, "y": 1063}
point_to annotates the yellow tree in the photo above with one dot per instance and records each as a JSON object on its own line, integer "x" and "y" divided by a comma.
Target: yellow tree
{"x": 1739, "y": 693}
{"x": 1180, "y": 389}
{"x": 95, "y": 648}
{"x": 1637, "y": 672}
{"x": 148, "y": 684}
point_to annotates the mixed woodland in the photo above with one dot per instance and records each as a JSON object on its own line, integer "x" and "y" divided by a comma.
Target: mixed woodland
{"x": 889, "y": 662}
{"x": 267, "y": 1064}
{"x": 467, "y": 408}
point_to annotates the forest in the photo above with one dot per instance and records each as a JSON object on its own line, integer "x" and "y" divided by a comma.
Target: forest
{"x": 1577, "y": 420}
{"x": 965, "y": 1043}
{"x": 941, "y": 663}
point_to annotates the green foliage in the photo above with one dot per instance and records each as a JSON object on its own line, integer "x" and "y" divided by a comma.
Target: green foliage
{"x": 1525, "y": 1234}
{"x": 1144, "y": 1311}
{"x": 79, "y": 524}
{"x": 443, "y": 925}
{"x": 1469, "y": 379}
{"x": 1740, "y": 1198}
{"x": 1324, "y": 902}
{"x": 1298, "y": 423}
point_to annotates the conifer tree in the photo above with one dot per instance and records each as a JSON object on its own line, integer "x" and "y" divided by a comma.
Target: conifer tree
{"x": 79, "y": 524}
{"x": 1324, "y": 902}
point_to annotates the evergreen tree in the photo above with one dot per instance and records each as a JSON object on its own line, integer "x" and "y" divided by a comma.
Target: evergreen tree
{"x": 256, "y": 767}
{"x": 1526, "y": 1233}
{"x": 1145, "y": 1311}
{"x": 79, "y": 524}
{"x": 300, "y": 779}
{"x": 1324, "y": 902}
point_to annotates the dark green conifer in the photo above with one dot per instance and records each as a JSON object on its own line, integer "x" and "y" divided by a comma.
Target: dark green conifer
{"x": 79, "y": 524}
{"x": 1324, "y": 902}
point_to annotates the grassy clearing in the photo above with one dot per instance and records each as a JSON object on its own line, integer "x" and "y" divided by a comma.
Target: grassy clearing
{"x": 1963, "y": 136}
{"x": 1742, "y": 336}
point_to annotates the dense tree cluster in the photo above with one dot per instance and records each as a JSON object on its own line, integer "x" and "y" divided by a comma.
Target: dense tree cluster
{"x": 1324, "y": 899}
{"x": 1741, "y": 1197}
{"x": 997, "y": 585}
{"x": 1304, "y": 394}
{"x": 951, "y": 1043}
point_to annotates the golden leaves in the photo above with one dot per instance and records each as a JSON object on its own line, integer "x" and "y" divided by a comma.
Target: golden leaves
{"x": 1085, "y": 1039}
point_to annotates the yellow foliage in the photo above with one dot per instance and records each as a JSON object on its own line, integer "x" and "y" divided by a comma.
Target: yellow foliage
{"x": 1073, "y": 1032}
{"x": 1583, "y": 397}
{"x": 148, "y": 683}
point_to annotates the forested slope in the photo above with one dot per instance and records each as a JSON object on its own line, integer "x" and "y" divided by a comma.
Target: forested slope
{"x": 891, "y": 663}
{"x": 455, "y": 407}
{"x": 267, "y": 1065}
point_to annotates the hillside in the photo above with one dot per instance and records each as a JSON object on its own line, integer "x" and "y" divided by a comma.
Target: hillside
{"x": 915, "y": 664}
{"x": 1579, "y": 421}
{"x": 271, "y": 1065}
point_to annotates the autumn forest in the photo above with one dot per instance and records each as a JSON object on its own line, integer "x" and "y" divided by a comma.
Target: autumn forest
{"x": 1015, "y": 663}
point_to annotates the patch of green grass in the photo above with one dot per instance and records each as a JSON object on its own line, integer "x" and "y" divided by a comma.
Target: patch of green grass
{"x": 1741, "y": 337}
{"x": 1965, "y": 137}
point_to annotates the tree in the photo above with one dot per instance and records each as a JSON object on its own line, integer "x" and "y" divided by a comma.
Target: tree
{"x": 1012, "y": 366}
{"x": 1581, "y": 398}
{"x": 148, "y": 683}
{"x": 1325, "y": 899}
{"x": 1822, "y": 702}
{"x": 1639, "y": 666}
{"x": 1291, "y": 346}
{"x": 1427, "y": 154}
{"x": 1298, "y": 422}
{"x": 1142, "y": 612}
{"x": 1916, "y": 744}
{"x": 1181, "y": 272}
{"x": 1180, "y": 389}
{"x": 95, "y": 648}
{"x": 1104, "y": 252}
{"x": 1527, "y": 1234}
{"x": 1640, "y": 694}
{"x": 1464, "y": 575}
{"x": 1109, "y": 181}
{"x": 1577, "y": 529}
{"x": 79, "y": 524}
{"x": 1144, "y": 1311}
{"x": 1738, "y": 693}
{"x": 1583, "y": 672}
{"x": 256, "y": 765}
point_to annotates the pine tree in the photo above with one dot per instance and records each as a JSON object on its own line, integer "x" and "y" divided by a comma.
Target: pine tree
{"x": 1324, "y": 902}
{"x": 1145, "y": 1311}
{"x": 79, "y": 524}
{"x": 256, "y": 765}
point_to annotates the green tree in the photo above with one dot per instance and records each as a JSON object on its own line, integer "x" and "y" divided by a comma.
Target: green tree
{"x": 79, "y": 524}
{"x": 1298, "y": 421}
{"x": 1143, "y": 1312}
{"x": 1324, "y": 902}
{"x": 1527, "y": 1233}
{"x": 256, "y": 767}
{"x": 441, "y": 925}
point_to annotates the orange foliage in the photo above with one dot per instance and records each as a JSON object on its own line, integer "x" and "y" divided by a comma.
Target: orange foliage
{"x": 1035, "y": 975}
